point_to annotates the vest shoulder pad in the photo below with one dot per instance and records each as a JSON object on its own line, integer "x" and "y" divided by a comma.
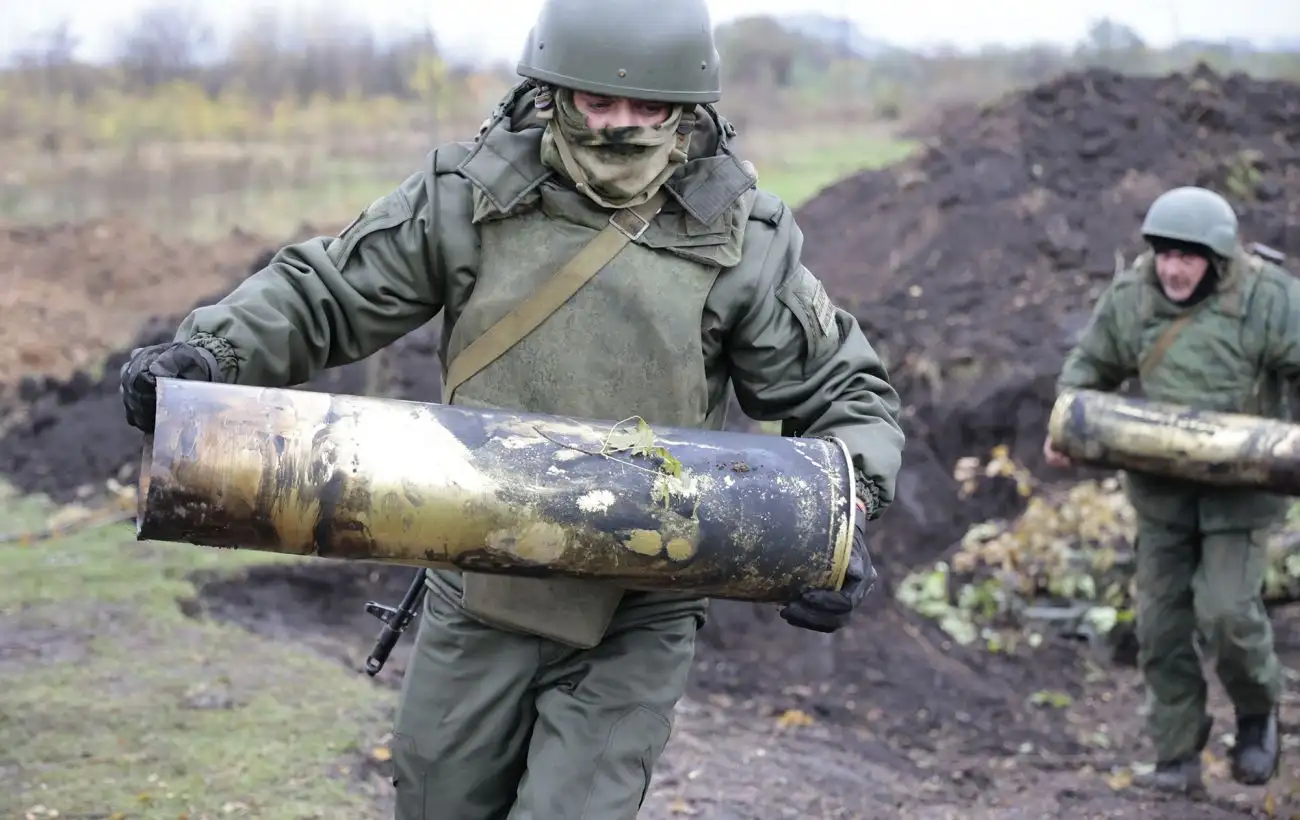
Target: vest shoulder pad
{"x": 447, "y": 158}
{"x": 1265, "y": 252}
{"x": 768, "y": 208}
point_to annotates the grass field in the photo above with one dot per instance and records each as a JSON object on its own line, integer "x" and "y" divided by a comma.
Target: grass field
{"x": 118, "y": 705}
{"x": 796, "y": 166}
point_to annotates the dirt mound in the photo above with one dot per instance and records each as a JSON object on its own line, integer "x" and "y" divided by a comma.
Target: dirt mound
{"x": 974, "y": 264}
{"x": 988, "y": 243}
{"x": 72, "y": 294}
{"x": 76, "y": 299}
{"x": 79, "y": 299}
{"x": 69, "y": 435}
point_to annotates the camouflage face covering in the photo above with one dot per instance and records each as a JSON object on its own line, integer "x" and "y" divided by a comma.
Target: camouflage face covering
{"x": 615, "y": 167}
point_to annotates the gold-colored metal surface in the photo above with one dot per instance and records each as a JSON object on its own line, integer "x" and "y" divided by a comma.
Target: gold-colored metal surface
{"x": 305, "y": 473}
{"x": 1223, "y": 449}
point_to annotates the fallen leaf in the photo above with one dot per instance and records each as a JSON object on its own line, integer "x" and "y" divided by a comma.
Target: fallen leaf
{"x": 1119, "y": 780}
{"x": 640, "y": 441}
{"x": 381, "y": 754}
{"x": 1058, "y": 700}
{"x": 794, "y": 717}
{"x": 1215, "y": 768}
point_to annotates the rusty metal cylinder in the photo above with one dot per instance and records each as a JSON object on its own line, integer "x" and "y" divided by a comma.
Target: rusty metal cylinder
{"x": 1222, "y": 449}
{"x": 743, "y": 516}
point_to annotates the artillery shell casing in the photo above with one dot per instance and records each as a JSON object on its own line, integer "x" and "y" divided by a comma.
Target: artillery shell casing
{"x": 1223, "y": 449}
{"x": 750, "y": 517}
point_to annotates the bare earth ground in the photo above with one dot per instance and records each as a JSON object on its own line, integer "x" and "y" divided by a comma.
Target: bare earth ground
{"x": 133, "y": 692}
{"x": 90, "y": 286}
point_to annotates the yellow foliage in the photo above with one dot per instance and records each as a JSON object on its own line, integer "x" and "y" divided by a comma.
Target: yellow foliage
{"x": 794, "y": 717}
{"x": 1074, "y": 544}
{"x": 428, "y": 77}
{"x": 185, "y": 111}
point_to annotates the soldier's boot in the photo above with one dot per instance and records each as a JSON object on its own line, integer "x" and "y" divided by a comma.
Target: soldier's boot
{"x": 1176, "y": 776}
{"x": 1256, "y": 756}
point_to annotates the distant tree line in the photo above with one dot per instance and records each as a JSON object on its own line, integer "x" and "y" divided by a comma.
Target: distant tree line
{"x": 271, "y": 58}
{"x": 763, "y": 52}
{"x": 275, "y": 59}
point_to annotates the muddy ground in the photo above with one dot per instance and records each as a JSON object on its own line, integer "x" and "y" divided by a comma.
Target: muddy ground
{"x": 987, "y": 244}
{"x": 903, "y": 725}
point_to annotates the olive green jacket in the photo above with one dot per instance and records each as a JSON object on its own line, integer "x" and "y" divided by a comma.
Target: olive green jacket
{"x": 768, "y": 326}
{"x": 1237, "y": 353}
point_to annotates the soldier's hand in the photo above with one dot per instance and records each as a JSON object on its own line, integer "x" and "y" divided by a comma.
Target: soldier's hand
{"x": 1055, "y": 458}
{"x": 140, "y": 374}
{"x": 827, "y": 610}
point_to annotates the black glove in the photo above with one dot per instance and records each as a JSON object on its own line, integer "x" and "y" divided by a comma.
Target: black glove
{"x": 827, "y": 610}
{"x": 140, "y": 374}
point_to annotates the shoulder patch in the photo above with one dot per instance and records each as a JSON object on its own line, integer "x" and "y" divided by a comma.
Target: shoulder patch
{"x": 767, "y": 207}
{"x": 806, "y": 297}
{"x": 823, "y": 310}
{"x": 387, "y": 211}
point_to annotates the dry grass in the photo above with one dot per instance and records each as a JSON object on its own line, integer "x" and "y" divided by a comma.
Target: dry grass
{"x": 202, "y": 189}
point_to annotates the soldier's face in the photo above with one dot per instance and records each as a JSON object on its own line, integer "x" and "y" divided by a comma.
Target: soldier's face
{"x": 1180, "y": 273}
{"x": 620, "y": 112}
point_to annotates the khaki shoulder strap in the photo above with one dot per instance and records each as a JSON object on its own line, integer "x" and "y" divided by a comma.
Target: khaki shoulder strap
{"x": 529, "y": 314}
{"x": 1158, "y": 350}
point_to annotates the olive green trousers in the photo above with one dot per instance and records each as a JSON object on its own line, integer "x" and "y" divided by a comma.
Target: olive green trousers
{"x": 1195, "y": 585}
{"x": 497, "y": 725}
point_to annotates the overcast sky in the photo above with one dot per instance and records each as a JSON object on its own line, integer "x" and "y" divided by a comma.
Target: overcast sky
{"x": 496, "y": 28}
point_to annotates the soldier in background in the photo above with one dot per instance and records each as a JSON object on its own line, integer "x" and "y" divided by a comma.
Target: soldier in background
{"x": 1199, "y": 321}
{"x": 539, "y": 699}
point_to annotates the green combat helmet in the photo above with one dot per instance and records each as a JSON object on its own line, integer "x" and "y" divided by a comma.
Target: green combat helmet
{"x": 662, "y": 51}
{"x": 1196, "y": 215}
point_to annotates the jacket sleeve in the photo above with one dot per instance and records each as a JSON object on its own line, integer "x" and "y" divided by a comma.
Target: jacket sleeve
{"x": 329, "y": 301}
{"x": 1282, "y": 328}
{"x": 794, "y": 356}
{"x": 1097, "y": 360}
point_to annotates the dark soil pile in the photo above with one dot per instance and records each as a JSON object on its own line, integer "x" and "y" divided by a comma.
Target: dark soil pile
{"x": 973, "y": 264}
{"x": 79, "y": 299}
{"x": 68, "y": 436}
{"x": 983, "y": 246}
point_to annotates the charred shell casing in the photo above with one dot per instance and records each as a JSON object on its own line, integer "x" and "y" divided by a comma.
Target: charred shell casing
{"x": 1223, "y": 449}
{"x": 747, "y": 516}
